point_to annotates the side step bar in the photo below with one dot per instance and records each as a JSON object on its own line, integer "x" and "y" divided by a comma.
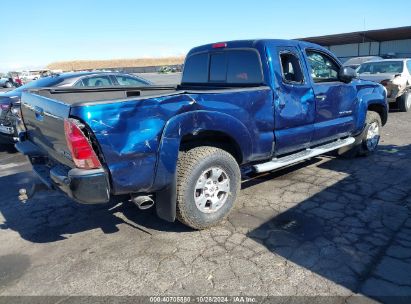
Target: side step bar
{"x": 277, "y": 163}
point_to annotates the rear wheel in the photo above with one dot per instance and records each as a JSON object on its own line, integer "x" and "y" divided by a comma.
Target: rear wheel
{"x": 404, "y": 102}
{"x": 208, "y": 182}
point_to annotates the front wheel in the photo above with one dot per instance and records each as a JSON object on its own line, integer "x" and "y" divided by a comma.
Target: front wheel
{"x": 367, "y": 142}
{"x": 208, "y": 182}
{"x": 372, "y": 135}
{"x": 404, "y": 102}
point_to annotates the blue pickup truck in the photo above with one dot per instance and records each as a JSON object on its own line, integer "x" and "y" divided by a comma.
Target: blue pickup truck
{"x": 241, "y": 105}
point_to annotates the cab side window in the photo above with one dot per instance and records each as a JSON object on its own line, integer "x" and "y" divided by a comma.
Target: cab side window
{"x": 291, "y": 68}
{"x": 322, "y": 67}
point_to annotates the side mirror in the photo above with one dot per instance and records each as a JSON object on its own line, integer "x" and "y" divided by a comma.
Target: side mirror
{"x": 347, "y": 74}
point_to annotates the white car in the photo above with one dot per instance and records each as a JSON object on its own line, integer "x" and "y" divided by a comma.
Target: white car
{"x": 394, "y": 75}
{"x": 27, "y": 76}
{"x": 6, "y": 82}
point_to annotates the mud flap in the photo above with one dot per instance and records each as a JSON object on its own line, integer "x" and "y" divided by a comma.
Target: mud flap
{"x": 166, "y": 200}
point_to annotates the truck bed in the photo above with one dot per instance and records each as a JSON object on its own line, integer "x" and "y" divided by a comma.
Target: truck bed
{"x": 80, "y": 96}
{"x": 128, "y": 123}
{"x": 86, "y": 96}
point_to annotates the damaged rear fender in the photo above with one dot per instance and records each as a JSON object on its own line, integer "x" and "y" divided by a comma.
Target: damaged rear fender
{"x": 175, "y": 129}
{"x": 194, "y": 123}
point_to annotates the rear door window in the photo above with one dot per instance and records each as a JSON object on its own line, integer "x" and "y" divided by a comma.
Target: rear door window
{"x": 128, "y": 81}
{"x": 225, "y": 67}
{"x": 79, "y": 84}
{"x": 97, "y": 81}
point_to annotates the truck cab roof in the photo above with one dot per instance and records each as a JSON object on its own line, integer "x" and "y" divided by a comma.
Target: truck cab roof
{"x": 239, "y": 62}
{"x": 256, "y": 43}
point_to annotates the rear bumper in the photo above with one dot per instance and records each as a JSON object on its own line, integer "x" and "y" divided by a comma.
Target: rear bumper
{"x": 8, "y": 139}
{"x": 84, "y": 186}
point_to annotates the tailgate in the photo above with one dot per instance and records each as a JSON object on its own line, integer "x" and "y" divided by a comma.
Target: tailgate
{"x": 44, "y": 120}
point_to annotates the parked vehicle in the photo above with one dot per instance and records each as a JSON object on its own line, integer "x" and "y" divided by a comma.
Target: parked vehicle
{"x": 18, "y": 82}
{"x": 28, "y": 76}
{"x": 6, "y": 82}
{"x": 394, "y": 75}
{"x": 10, "y": 124}
{"x": 357, "y": 61}
{"x": 167, "y": 70}
{"x": 259, "y": 105}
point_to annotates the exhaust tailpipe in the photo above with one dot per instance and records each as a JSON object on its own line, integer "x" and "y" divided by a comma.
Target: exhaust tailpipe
{"x": 143, "y": 202}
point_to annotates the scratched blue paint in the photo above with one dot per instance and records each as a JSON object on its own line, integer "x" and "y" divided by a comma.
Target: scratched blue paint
{"x": 130, "y": 133}
{"x": 140, "y": 138}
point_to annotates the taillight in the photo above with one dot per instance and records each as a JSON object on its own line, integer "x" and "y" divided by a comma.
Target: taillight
{"x": 81, "y": 150}
{"x": 4, "y": 107}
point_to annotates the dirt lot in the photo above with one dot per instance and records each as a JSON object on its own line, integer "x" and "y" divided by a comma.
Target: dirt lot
{"x": 78, "y": 65}
{"x": 325, "y": 227}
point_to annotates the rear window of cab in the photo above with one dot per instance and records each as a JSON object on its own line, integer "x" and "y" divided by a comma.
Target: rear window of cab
{"x": 228, "y": 67}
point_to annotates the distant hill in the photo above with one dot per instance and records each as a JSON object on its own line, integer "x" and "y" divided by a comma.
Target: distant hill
{"x": 78, "y": 65}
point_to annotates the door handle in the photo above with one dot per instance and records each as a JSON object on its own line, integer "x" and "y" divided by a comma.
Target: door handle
{"x": 321, "y": 97}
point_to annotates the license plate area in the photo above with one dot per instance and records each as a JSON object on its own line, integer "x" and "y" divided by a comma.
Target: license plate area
{"x": 6, "y": 130}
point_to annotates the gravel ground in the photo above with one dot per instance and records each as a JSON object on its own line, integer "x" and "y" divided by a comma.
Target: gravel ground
{"x": 326, "y": 227}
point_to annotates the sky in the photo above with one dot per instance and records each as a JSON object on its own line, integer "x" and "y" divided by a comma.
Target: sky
{"x": 37, "y": 32}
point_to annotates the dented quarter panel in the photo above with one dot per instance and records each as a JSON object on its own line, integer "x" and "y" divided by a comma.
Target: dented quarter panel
{"x": 139, "y": 137}
{"x": 136, "y": 135}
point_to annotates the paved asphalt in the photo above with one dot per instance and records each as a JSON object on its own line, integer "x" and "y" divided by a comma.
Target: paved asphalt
{"x": 326, "y": 227}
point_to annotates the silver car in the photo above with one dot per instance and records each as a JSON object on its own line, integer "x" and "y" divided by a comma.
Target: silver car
{"x": 10, "y": 122}
{"x": 355, "y": 62}
{"x": 394, "y": 75}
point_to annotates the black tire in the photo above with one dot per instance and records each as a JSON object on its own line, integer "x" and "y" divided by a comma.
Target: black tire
{"x": 404, "y": 102}
{"x": 191, "y": 166}
{"x": 360, "y": 147}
